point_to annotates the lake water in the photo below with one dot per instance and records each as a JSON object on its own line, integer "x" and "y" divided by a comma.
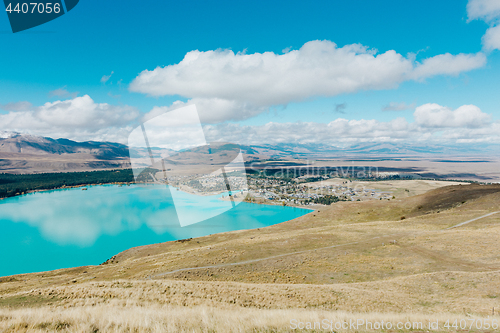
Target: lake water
{"x": 68, "y": 228}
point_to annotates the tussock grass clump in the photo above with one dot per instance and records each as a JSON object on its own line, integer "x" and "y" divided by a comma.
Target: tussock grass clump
{"x": 114, "y": 318}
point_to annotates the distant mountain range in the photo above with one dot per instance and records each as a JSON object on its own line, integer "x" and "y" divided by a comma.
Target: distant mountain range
{"x": 24, "y": 153}
{"x": 31, "y": 144}
{"x": 371, "y": 150}
{"x": 29, "y": 153}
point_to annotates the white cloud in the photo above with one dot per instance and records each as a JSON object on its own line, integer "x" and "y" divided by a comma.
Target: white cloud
{"x": 213, "y": 110}
{"x": 339, "y": 130}
{"x": 79, "y": 118}
{"x": 466, "y": 116}
{"x": 488, "y": 11}
{"x": 319, "y": 68}
{"x": 433, "y": 123}
{"x": 83, "y": 119}
{"x": 448, "y": 64}
{"x": 177, "y": 129}
{"x": 491, "y": 39}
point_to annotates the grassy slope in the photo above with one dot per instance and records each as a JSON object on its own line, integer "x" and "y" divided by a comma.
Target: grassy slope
{"x": 392, "y": 265}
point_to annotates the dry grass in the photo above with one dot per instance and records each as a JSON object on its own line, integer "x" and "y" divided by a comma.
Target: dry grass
{"x": 398, "y": 188}
{"x": 123, "y": 317}
{"x": 391, "y": 268}
{"x": 443, "y": 292}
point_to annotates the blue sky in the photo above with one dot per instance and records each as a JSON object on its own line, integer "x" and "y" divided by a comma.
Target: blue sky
{"x": 67, "y": 58}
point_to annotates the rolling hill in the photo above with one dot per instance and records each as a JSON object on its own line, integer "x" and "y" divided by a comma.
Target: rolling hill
{"x": 23, "y": 153}
{"x": 429, "y": 256}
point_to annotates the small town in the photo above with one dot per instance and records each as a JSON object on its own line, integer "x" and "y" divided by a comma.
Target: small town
{"x": 298, "y": 191}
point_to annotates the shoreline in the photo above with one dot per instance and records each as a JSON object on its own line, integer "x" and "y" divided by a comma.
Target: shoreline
{"x": 64, "y": 188}
{"x": 279, "y": 216}
{"x": 147, "y": 184}
{"x": 308, "y": 207}
{"x": 225, "y": 198}
{"x": 12, "y": 185}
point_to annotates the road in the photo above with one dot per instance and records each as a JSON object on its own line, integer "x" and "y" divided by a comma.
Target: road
{"x": 469, "y": 221}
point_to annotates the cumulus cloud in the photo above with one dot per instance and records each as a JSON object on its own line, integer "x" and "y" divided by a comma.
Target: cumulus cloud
{"x": 435, "y": 115}
{"x": 318, "y": 68}
{"x": 213, "y": 110}
{"x": 448, "y": 64}
{"x": 83, "y": 119}
{"x": 433, "y": 123}
{"x": 491, "y": 39}
{"x": 488, "y": 11}
{"x": 79, "y": 118}
{"x": 339, "y": 130}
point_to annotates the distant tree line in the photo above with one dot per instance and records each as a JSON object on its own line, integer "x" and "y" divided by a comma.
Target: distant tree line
{"x": 12, "y": 185}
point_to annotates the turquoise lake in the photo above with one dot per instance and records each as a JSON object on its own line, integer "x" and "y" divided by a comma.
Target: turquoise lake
{"x": 68, "y": 228}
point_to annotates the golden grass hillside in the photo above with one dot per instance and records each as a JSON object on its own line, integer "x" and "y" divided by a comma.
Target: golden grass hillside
{"x": 377, "y": 259}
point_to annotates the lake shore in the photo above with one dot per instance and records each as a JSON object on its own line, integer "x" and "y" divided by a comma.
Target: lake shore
{"x": 65, "y": 188}
{"x": 112, "y": 218}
